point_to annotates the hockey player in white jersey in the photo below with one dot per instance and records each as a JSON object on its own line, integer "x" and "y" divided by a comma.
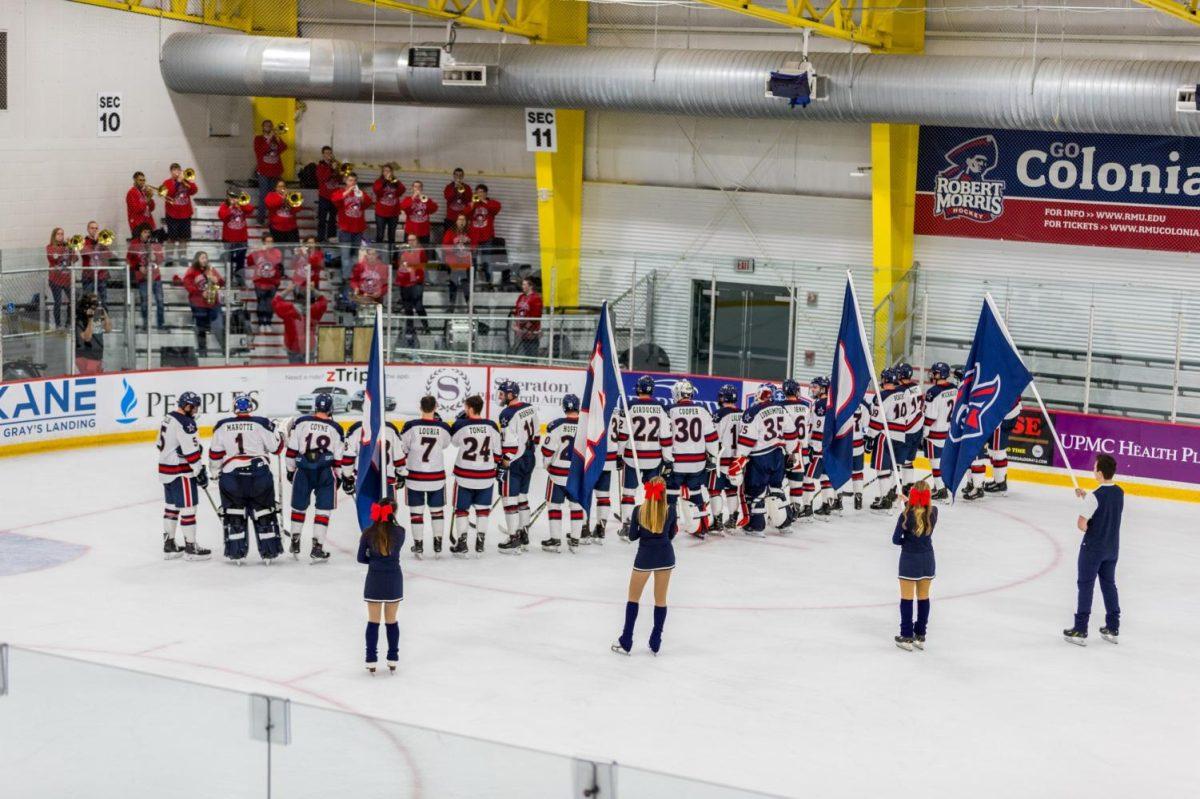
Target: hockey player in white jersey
{"x": 823, "y": 500}
{"x": 939, "y": 401}
{"x": 314, "y": 466}
{"x": 799, "y": 410}
{"x": 914, "y": 434}
{"x": 181, "y": 472}
{"x": 556, "y": 452}
{"x": 648, "y": 431}
{"x": 475, "y": 470}
{"x": 423, "y": 443}
{"x": 693, "y": 457}
{"x": 894, "y": 426}
{"x": 998, "y": 452}
{"x": 519, "y": 428}
{"x": 603, "y": 492}
{"x": 763, "y": 439}
{"x": 862, "y": 421}
{"x": 393, "y": 456}
{"x": 723, "y": 493}
{"x": 240, "y": 453}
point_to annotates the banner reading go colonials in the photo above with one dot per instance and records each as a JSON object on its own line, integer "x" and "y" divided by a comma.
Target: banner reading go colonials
{"x": 1141, "y": 192}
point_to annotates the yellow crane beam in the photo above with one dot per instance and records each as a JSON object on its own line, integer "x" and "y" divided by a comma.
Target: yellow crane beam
{"x": 220, "y": 13}
{"x": 839, "y": 19}
{"x": 1180, "y": 9}
{"x": 516, "y": 17}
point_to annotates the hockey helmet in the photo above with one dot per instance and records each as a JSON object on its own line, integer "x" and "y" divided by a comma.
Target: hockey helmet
{"x": 683, "y": 389}
{"x": 958, "y": 370}
{"x": 645, "y": 385}
{"x": 727, "y": 393}
{"x": 820, "y": 384}
{"x": 323, "y": 403}
{"x": 904, "y": 371}
{"x": 887, "y": 376}
{"x": 766, "y": 392}
{"x": 791, "y": 387}
{"x": 243, "y": 403}
{"x": 570, "y": 403}
{"x": 939, "y": 370}
{"x": 508, "y": 387}
{"x": 188, "y": 399}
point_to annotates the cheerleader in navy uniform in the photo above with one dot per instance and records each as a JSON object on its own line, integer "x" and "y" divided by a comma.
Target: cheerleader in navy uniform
{"x": 379, "y": 548}
{"x": 653, "y": 525}
{"x": 914, "y": 536}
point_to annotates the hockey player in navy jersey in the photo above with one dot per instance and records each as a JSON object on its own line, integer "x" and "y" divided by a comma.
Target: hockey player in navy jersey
{"x": 723, "y": 493}
{"x": 314, "y": 465}
{"x": 475, "y": 469}
{"x": 423, "y": 442}
{"x": 694, "y": 456}
{"x": 181, "y": 472}
{"x": 648, "y": 432}
{"x": 939, "y": 401}
{"x": 762, "y": 441}
{"x": 240, "y": 454}
{"x": 556, "y": 452}
{"x": 799, "y": 410}
{"x": 519, "y": 428}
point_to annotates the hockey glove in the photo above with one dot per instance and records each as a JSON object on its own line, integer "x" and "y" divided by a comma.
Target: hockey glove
{"x": 668, "y": 469}
{"x": 710, "y": 463}
{"x": 736, "y": 470}
{"x": 202, "y": 477}
{"x": 400, "y": 481}
{"x": 348, "y": 484}
{"x": 291, "y": 475}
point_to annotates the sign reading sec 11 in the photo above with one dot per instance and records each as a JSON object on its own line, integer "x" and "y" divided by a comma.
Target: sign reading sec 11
{"x": 541, "y": 135}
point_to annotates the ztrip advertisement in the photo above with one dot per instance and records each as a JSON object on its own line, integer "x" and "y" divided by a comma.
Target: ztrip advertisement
{"x": 1103, "y": 190}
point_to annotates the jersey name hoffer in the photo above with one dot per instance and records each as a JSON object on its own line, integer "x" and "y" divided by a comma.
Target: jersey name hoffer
{"x": 556, "y": 449}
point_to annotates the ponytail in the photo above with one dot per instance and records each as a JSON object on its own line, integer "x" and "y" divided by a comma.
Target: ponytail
{"x": 653, "y": 513}
{"x": 380, "y": 532}
{"x": 918, "y": 519}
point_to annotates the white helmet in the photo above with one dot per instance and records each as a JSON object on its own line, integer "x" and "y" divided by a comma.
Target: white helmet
{"x": 683, "y": 389}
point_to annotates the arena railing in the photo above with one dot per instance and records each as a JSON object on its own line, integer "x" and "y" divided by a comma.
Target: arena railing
{"x": 147, "y": 735}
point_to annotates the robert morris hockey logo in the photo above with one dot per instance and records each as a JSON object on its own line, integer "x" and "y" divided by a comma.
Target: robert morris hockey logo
{"x": 974, "y": 399}
{"x": 962, "y": 190}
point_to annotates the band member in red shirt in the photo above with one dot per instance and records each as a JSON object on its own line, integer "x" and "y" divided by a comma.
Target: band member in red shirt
{"x": 483, "y": 230}
{"x": 527, "y": 327}
{"x": 329, "y": 180}
{"x": 203, "y": 283}
{"x": 306, "y": 263}
{"x": 352, "y": 204}
{"x": 418, "y": 212}
{"x": 95, "y": 264}
{"x": 410, "y": 277}
{"x": 388, "y": 193}
{"x": 369, "y": 280}
{"x": 234, "y": 216}
{"x": 457, "y": 253}
{"x": 145, "y": 258}
{"x": 459, "y": 197}
{"x": 296, "y": 324}
{"x": 139, "y": 205}
{"x": 268, "y": 160}
{"x": 283, "y": 223}
{"x": 177, "y": 203}
{"x": 266, "y": 270}
{"x": 60, "y": 257}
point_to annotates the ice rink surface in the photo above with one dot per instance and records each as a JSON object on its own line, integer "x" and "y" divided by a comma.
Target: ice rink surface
{"x": 778, "y": 671}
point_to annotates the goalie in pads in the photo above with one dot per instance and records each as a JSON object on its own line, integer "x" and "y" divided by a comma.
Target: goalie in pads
{"x": 240, "y": 453}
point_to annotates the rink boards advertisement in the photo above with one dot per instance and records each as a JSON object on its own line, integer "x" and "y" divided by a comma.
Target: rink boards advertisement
{"x": 1103, "y": 190}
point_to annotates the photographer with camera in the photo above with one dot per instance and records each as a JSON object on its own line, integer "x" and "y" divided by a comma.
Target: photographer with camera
{"x": 91, "y": 323}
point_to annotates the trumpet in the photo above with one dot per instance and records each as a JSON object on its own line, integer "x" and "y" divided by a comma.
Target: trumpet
{"x": 75, "y": 242}
{"x": 105, "y": 238}
{"x": 211, "y": 292}
{"x": 189, "y": 174}
{"x": 243, "y": 199}
{"x": 424, "y": 198}
{"x": 476, "y": 198}
{"x": 345, "y": 169}
{"x": 295, "y": 199}
{"x": 282, "y": 128}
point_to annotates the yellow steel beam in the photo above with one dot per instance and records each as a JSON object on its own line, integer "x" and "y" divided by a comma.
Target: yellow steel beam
{"x": 504, "y": 16}
{"x": 276, "y": 18}
{"x": 836, "y": 20}
{"x": 1180, "y": 9}
{"x": 227, "y": 14}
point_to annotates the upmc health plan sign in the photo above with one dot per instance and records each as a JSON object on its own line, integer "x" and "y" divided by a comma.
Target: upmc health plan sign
{"x": 1102, "y": 190}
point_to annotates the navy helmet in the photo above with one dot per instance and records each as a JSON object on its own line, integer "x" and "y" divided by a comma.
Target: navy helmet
{"x": 323, "y": 403}
{"x": 791, "y": 387}
{"x": 903, "y": 371}
{"x": 570, "y": 403}
{"x": 509, "y": 387}
{"x": 959, "y": 371}
{"x": 888, "y": 376}
{"x": 939, "y": 370}
{"x": 243, "y": 403}
{"x": 188, "y": 398}
{"x": 821, "y": 382}
{"x": 645, "y": 385}
{"x": 727, "y": 393}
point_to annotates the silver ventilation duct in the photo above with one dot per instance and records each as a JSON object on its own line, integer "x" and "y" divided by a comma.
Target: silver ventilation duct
{"x": 1049, "y": 94}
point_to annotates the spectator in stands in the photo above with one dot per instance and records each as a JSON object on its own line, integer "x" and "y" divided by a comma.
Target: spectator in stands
{"x": 139, "y": 205}
{"x": 283, "y": 223}
{"x": 528, "y": 325}
{"x": 388, "y": 192}
{"x": 458, "y": 199}
{"x": 268, "y": 152}
{"x": 418, "y": 212}
{"x": 266, "y": 269}
{"x": 307, "y": 262}
{"x": 483, "y": 230}
{"x": 352, "y": 204}
{"x": 96, "y": 257}
{"x": 91, "y": 323}
{"x": 145, "y": 258}
{"x": 235, "y": 233}
{"x": 369, "y": 279}
{"x": 178, "y": 206}
{"x": 60, "y": 257}
{"x": 457, "y": 253}
{"x": 203, "y": 286}
{"x": 410, "y": 277}
{"x": 296, "y": 324}
{"x": 329, "y": 180}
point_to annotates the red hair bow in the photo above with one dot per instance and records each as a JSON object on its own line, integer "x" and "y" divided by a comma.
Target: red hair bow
{"x": 380, "y": 512}
{"x": 918, "y": 498}
{"x": 656, "y": 490}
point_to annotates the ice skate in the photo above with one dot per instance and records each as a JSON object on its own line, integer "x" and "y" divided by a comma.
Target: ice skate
{"x": 883, "y": 502}
{"x": 972, "y": 493}
{"x": 524, "y": 533}
{"x": 623, "y": 533}
{"x": 585, "y": 535}
{"x": 479, "y": 542}
{"x": 805, "y": 514}
{"x": 837, "y": 503}
{"x": 193, "y": 551}
{"x": 598, "y": 534}
{"x": 418, "y": 549}
{"x": 822, "y": 512}
{"x": 731, "y": 523}
{"x": 1109, "y": 635}
{"x": 620, "y": 650}
{"x": 858, "y": 502}
{"x": 941, "y": 495}
{"x": 1073, "y": 636}
{"x": 905, "y": 642}
{"x": 318, "y": 554}
{"x": 755, "y": 533}
{"x": 295, "y": 544}
{"x": 919, "y": 642}
{"x": 459, "y": 548}
{"x": 371, "y": 664}
{"x": 171, "y": 550}
{"x": 996, "y": 487}
{"x": 718, "y": 522}
{"x": 392, "y": 664}
{"x": 572, "y": 544}
{"x": 512, "y": 546}
{"x": 437, "y": 546}
{"x": 551, "y": 545}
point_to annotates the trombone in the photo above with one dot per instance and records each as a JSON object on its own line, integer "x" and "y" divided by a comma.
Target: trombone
{"x": 243, "y": 199}
{"x": 105, "y": 238}
{"x": 75, "y": 242}
{"x": 282, "y": 128}
{"x": 189, "y": 174}
{"x": 162, "y": 190}
{"x": 295, "y": 199}
{"x": 345, "y": 169}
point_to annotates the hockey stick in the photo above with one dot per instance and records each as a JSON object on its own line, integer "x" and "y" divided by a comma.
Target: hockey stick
{"x": 219, "y": 511}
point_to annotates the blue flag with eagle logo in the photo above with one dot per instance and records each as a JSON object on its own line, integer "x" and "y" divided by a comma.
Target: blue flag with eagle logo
{"x": 994, "y": 377}
{"x": 601, "y": 394}
{"x": 848, "y": 382}
{"x": 369, "y": 482}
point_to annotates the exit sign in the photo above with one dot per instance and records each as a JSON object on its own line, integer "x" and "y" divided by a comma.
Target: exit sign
{"x": 743, "y": 265}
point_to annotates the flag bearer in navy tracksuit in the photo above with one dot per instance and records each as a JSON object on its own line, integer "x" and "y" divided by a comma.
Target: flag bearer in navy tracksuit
{"x": 652, "y": 525}
{"x": 914, "y": 536}
{"x": 379, "y": 548}
{"x": 1100, "y": 521}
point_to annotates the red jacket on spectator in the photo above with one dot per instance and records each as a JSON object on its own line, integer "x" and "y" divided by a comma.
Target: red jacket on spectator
{"x": 283, "y": 216}
{"x": 178, "y": 201}
{"x": 458, "y": 202}
{"x": 266, "y": 268}
{"x": 328, "y": 180}
{"x": 387, "y": 198}
{"x": 369, "y": 278}
{"x": 194, "y": 282}
{"x": 293, "y": 322}
{"x": 60, "y": 257}
{"x": 351, "y": 210}
{"x": 95, "y": 259}
{"x": 266, "y": 156}
{"x": 144, "y": 258}
{"x": 139, "y": 208}
{"x": 456, "y": 249}
{"x": 417, "y": 213}
{"x": 483, "y": 220}
{"x": 233, "y": 221}
{"x": 305, "y": 265}
{"x": 528, "y": 311}
{"x": 411, "y": 271}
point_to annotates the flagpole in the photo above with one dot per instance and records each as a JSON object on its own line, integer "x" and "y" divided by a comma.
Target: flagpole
{"x": 381, "y": 433}
{"x": 874, "y": 379}
{"x": 612, "y": 353}
{"x": 1062, "y": 451}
